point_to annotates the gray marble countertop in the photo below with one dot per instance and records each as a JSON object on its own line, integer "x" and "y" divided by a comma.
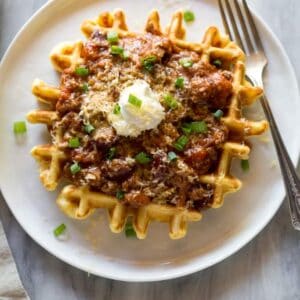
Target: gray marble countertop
{"x": 266, "y": 268}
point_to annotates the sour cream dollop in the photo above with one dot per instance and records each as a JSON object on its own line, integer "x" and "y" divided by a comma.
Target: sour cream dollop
{"x": 132, "y": 119}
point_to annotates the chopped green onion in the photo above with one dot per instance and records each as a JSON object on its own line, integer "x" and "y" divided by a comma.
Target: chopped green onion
{"x": 75, "y": 168}
{"x": 20, "y": 127}
{"x": 59, "y": 229}
{"x": 172, "y": 156}
{"x": 170, "y": 101}
{"x": 179, "y": 83}
{"x": 116, "y": 50}
{"x": 135, "y": 101}
{"x": 181, "y": 143}
{"x": 82, "y": 71}
{"x": 218, "y": 114}
{"x": 199, "y": 127}
{"x": 129, "y": 230}
{"x": 117, "y": 109}
{"x": 112, "y": 37}
{"x": 143, "y": 158}
{"x": 125, "y": 55}
{"x": 186, "y": 62}
{"x": 217, "y": 63}
{"x": 148, "y": 63}
{"x": 85, "y": 87}
{"x": 120, "y": 195}
{"x": 194, "y": 127}
{"x": 186, "y": 128}
{"x": 245, "y": 165}
{"x": 111, "y": 153}
{"x": 88, "y": 128}
{"x": 188, "y": 16}
{"x": 74, "y": 142}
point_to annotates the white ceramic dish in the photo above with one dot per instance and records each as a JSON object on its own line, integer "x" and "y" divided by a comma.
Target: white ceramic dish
{"x": 91, "y": 246}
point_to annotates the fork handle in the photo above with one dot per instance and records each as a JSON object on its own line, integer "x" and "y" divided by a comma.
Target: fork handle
{"x": 290, "y": 177}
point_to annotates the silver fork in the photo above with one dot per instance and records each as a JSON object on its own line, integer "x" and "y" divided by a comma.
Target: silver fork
{"x": 245, "y": 34}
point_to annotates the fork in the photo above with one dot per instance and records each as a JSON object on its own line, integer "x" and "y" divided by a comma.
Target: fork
{"x": 243, "y": 30}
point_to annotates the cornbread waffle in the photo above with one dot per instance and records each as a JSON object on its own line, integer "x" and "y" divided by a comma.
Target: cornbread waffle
{"x": 80, "y": 201}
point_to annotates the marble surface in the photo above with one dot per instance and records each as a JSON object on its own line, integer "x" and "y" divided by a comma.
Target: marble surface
{"x": 266, "y": 268}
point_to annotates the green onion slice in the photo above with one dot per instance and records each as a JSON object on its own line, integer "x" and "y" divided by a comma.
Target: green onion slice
{"x": 82, "y": 71}
{"x": 112, "y": 37}
{"x": 170, "y": 101}
{"x": 245, "y": 165}
{"x": 74, "y": 142}
{"x": 186, "y": 62}
{"x": 181, "y": 143}
{"x": 179, "y": 83}
{"x": 143, "y": 158}
{"x": 120, "y": 195}
{"x": 116, "y": 50}
{"x": 148, "y": 62}
{"x": 199, "y": 127}
{"x": 218, "y": 114}
{"x": 75, "y": 168}
{"x": 88, "y": 128}
{"x": 59, "y": 229}
{"x": 172, "y": 156}
{"x": 135, "y": 101}
{"x": 20, "y": 127}
{"x": 111, "y": 153}
{"x": 125, "y": 55}
{"x": 117, "y": 109}
{"x": 186, "y": 128}
{"x": 194, "y": 127}
{"x": 188, "y": 16}
{"x": 129, "y": 230}
{"x": 217, "y": 63}
{"x": 85, "y": 87}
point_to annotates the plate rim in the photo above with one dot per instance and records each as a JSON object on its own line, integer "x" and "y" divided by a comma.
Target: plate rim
{"x": 179, "y": 271}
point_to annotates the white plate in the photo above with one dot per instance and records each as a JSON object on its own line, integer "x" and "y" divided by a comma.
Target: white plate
{"x": 91, "y": 246}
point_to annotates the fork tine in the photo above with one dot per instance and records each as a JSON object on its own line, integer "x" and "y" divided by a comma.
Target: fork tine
{"x": 255, "y": 33}
{"x": 244, "y": 26}
{"x": 238, "y": 38}
{"x": 224, "y": 19}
